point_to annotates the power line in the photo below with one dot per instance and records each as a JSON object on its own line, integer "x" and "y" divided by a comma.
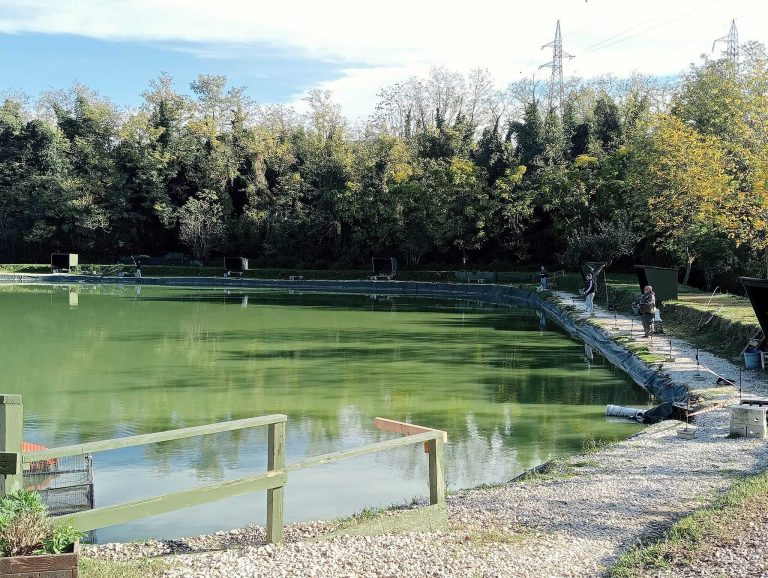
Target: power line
{"x": 633, "y": 28}
{"x": 644, "y": 28}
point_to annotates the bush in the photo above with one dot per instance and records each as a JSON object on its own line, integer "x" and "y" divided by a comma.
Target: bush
{"x": 26, "y": 529}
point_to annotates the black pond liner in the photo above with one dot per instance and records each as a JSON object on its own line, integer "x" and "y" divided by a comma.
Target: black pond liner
{"x": 652, "y": 380}
{"x": 757, "y": 291}
{"x": 663, "y": 280}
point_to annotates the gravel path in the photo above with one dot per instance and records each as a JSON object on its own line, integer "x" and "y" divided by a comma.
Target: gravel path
{"x": 573, "y": 525}
{"x": 684, "y": 368}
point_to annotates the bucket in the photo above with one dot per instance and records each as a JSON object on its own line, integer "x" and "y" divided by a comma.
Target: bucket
{"x": 751, "y": 359}
{"x": 619, "y": 411}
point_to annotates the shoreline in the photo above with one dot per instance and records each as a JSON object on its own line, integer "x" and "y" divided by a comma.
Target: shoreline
{"x": 573, "y": 521}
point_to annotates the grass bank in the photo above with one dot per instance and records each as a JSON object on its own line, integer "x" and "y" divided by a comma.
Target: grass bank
{"x": 261, "y": 273}
{"x": 686, "y": 539}
{"x": 722, "y": 324}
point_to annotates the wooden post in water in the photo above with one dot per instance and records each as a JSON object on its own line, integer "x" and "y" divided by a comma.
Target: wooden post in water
{"x": 276, "y": 496}
{"x": 11, "y": 426}
{"x": 436, "y": 471}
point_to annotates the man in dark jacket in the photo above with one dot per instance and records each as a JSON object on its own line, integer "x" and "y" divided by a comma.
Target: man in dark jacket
{"x": 647, "y": 303}
{"x": 589, "y": 293}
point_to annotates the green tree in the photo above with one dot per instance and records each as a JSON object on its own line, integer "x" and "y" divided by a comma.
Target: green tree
{"x": 201, "y": 224}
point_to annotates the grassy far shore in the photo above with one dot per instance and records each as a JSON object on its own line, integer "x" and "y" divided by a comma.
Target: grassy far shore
{"x": 261, "y": 273}
{"x": 721, "y": 324}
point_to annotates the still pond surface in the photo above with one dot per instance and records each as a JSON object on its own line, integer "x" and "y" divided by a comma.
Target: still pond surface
{"x": 99, "y": 362}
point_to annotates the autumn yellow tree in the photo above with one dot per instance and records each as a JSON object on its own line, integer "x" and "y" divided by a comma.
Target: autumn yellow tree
{"x": 690, "y": 192}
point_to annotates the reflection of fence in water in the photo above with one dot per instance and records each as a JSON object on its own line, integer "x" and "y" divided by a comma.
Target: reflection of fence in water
{"x": 65, "y": 484}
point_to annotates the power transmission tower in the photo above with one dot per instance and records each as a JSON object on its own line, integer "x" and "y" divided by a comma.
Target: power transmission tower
{"x": 556, "y": 91}
{"x": 732, "y": 44}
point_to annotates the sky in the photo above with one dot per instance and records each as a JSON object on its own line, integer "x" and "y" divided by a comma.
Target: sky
{"x": 281, "y": 49}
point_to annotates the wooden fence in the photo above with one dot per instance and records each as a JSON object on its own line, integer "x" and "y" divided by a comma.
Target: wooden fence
{"x": 13, "y": 462}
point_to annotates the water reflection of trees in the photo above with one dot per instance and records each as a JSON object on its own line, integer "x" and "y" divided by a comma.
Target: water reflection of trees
{"x": 117, "y": 367}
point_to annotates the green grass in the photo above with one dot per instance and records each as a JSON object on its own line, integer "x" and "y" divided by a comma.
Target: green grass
{"x": 554, "y": 469}
{"x": 722, "y": 325}
{"x": 25, "y": 268}
{"x": 486, "y": 486}
{"x": 369, "y": 514}
{"x": 687, "y": 536}
{"x": 641, "y": 351}
{"x": 364, "y": 515}
{"x": 145, "y": 568}
{"x": 592, "y": 445}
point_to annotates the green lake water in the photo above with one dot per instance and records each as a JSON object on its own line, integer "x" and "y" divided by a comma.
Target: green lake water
{"x": 92, "y": 363}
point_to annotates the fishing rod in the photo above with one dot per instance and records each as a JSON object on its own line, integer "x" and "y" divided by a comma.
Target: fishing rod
{"x": 624, "y": 306}
{"x": 702, "y": 323}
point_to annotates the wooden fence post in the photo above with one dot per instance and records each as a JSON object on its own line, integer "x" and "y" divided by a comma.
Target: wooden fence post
{"x": 275, "y": 497}
{"x": 436, "y": 471}
{"x": 11, "y": 426}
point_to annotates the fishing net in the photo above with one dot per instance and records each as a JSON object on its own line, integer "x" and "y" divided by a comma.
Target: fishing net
{"x": 65, "y": 484}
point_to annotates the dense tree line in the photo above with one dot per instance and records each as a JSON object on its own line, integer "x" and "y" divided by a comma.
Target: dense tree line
{"x": 446, "y": 167}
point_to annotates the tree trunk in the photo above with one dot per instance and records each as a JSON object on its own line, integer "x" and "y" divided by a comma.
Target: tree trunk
{"x": 688, "y": 269}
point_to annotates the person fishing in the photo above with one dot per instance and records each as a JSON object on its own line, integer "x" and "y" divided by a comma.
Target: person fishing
{"x": 543, "y": 276}
{"x": 647, "y": 305}
{"x": 589, "y": 293}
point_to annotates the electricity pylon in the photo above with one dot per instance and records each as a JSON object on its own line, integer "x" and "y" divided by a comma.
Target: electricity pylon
{"x": 731, "y": 44}
{"x": 556, "y": 91}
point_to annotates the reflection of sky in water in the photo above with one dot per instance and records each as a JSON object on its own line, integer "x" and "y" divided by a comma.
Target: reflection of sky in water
{"x": 511, "y": 392}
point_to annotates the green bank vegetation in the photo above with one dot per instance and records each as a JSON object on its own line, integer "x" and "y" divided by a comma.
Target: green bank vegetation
{"x": 702, "y": 529}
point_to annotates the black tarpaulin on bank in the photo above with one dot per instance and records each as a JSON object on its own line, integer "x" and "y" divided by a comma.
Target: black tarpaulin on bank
{"x": 757, "y": 291}
{"x": 663, "y": 281}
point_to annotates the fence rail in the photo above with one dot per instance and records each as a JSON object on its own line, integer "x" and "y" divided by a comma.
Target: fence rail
{"x": 152, "y": 438}
{"x": 13, "y": 461}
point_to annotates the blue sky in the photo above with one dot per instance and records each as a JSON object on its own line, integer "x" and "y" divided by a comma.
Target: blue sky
{"x": 121, "y": 70}
{"x": 280, "y": 50}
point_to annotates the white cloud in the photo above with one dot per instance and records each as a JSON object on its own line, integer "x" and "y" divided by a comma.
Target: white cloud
{"x": 377, "y": 43}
